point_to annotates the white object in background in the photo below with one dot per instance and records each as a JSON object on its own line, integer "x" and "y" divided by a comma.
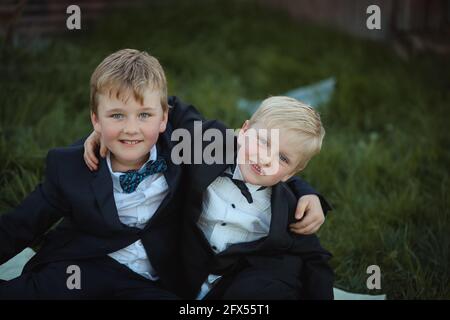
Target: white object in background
{"x": 315, "y": 95}
{"x": 13, "y": 267}
{"x": 344, "y": 295}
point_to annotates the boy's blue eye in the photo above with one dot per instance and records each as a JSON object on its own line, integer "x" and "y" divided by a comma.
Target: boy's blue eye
{"x": 117, "y": 116}
{"x": 144, "y": 115}
{"x": 263, "y": 141}
{"x": 283, "y": 158}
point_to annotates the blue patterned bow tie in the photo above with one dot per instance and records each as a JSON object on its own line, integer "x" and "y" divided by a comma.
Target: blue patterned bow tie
{"x": 131, "y": 179}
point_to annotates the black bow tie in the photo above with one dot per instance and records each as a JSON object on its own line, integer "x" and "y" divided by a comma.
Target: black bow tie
{"x": 242, "y": 186}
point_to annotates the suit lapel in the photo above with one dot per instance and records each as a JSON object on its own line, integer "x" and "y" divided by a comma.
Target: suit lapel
{"x": 103, "y": 192}
{"x": 278, "y": 237}
{"x": 164, "y": 147}
{"x": 200, "y": 176}
{"x": 281, "y": 209}
{"x": 172, "y": 174}
{"x": 204, "y": 174}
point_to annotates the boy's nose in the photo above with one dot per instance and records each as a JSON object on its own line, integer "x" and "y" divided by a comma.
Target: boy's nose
{"x": 264, "y": 159}
{"x": 130, "y": 127}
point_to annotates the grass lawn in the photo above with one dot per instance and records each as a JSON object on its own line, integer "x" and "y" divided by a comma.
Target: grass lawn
{"x": 385, "y": 160}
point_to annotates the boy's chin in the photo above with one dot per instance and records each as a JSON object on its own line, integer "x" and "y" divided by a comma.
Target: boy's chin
{"x": 252, "y": 177}
{"x": 259, "y": 180}
{"x": 131, "y": 159}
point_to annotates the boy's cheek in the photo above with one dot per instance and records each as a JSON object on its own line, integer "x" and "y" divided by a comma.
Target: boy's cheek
{"x": 252, "y": 154}
{"x": 241, "y": 155}
{"x": 108, "y": 136}
{"x": 272, "y": 172}
{"x": 150, "y": 133}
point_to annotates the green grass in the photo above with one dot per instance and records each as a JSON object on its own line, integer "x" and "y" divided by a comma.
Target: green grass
{"x": 385, "y": 159}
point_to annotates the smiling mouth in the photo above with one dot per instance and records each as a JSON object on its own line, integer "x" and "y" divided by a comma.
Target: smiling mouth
{"x": 130, "y": 142}
{"x": 257, "y": 168}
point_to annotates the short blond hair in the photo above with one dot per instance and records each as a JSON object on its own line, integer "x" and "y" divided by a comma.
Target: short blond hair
{"x": 128, "y": 70}
{"x": 281, "y": 112}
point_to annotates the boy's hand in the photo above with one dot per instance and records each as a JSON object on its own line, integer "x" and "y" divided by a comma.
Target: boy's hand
{"x": 90, "y": 146}
{"x": 309, "y": 212}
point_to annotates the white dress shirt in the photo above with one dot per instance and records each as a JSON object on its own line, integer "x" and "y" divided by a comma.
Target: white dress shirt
{"x": 135, "y": 210}
{"x": 227, "y": 217}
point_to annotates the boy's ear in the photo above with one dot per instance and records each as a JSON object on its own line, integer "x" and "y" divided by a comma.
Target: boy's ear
{"x": 95, "y": 122}
{"x": 243, "y": 129}
{"x": 163, "y": 124}
{"x": 240, "y": 134}
{"x": 245, "y": 126}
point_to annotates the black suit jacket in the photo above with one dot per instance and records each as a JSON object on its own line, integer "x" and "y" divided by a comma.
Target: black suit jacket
{"x": 90, "y": 225}
{"x": 290, "y": 257}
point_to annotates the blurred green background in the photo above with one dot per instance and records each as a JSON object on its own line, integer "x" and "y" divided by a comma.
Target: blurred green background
{"x": 385, "y": 161}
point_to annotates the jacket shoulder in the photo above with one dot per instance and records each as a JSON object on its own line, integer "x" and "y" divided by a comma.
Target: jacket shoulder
{"x": 66, "y": 153}
{"x": 66, "y": 159}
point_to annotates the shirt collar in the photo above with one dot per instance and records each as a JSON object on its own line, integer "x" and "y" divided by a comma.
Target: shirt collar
{"x": 238, "y": 176}
{"x": 115, "y": 175}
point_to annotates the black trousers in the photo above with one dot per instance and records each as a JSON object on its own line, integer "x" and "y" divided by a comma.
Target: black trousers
{"x": 253, "y": 283}
{"x": 99, "y": 278}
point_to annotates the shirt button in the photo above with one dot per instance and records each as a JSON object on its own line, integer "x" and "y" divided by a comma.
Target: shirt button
{"x": 233, "y": 205}
{"x": 223, "y": 224}
{"x": 214, "y": 248}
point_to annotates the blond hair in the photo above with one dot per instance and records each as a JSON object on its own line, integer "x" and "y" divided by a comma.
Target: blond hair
{"x": 281, "y": 112}
{"x": 125, "y": 71}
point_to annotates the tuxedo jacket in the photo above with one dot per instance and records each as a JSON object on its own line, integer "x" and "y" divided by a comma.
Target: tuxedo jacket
{"x": 296, "y": 259}
{"x": 89, "y": 226}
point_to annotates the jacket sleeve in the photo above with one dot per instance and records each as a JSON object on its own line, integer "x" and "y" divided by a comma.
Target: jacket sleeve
{"x": 300, "y": 188}
{"x": 79, "y": 142}
{"x": 41, "y": 209}
{"x": 316, "y": 275}
{"x": 182, "y": 115}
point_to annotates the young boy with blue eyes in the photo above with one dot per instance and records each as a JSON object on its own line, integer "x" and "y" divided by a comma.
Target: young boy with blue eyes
{"x": 118, "y": 226}
{"x": 236, "y": 239}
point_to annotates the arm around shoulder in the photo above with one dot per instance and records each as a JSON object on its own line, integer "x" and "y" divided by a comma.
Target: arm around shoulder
{"x": 182, "y": 115}
{"x": 301, "y": 188}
